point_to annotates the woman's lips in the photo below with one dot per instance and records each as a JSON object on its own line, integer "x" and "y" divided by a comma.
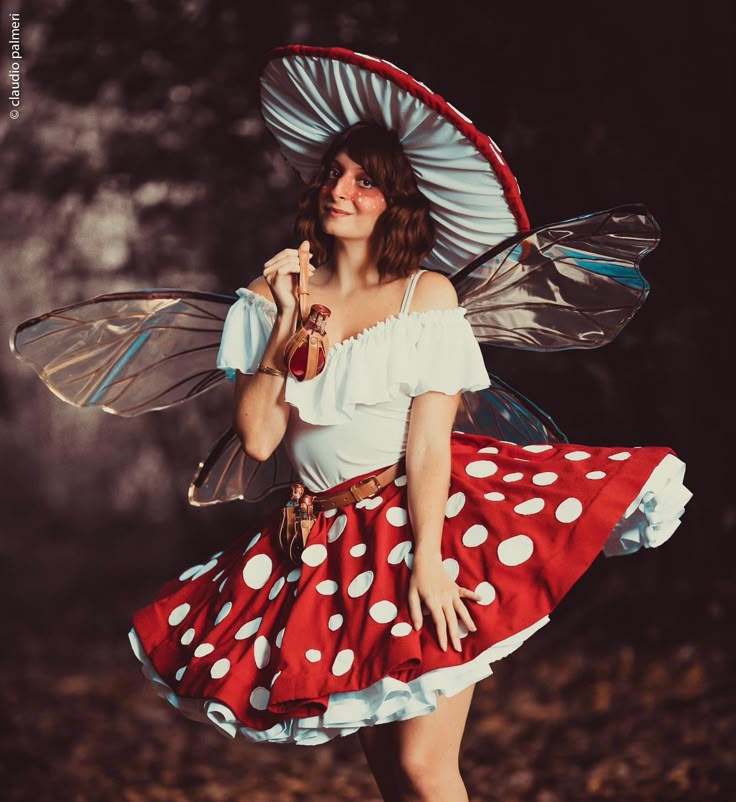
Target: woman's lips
{"x": 337, "y": 212}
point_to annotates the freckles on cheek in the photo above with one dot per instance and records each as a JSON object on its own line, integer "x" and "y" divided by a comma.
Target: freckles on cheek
{"x": 371, "y": 204}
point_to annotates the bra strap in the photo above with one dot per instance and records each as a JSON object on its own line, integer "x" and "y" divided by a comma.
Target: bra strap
{"x": 410, "y": 290}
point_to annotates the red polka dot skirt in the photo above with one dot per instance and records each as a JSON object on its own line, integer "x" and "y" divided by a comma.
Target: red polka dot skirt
{"x": 257, "y": 647}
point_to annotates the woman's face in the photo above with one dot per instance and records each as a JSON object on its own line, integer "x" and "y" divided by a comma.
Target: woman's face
{"x": 349, "y": 201}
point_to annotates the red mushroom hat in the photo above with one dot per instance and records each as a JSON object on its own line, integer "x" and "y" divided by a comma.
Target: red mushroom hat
{"x": 310, "y": 94}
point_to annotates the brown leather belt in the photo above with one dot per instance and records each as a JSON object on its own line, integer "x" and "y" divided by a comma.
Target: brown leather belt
{"x": 363, "y": 488}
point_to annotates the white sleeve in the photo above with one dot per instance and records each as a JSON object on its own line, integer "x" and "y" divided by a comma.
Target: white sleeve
{"x": 448, "y": 357}
{"x": 245, "y": 334}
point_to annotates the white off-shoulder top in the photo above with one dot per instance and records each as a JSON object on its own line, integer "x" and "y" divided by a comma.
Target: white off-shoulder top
{"x": 354, "y": 416}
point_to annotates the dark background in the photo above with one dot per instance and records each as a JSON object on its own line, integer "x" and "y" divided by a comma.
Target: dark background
{"x": 139, "y": 160}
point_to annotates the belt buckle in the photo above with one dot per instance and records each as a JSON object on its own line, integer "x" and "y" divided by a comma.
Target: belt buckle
{"x": 362, "y": 482}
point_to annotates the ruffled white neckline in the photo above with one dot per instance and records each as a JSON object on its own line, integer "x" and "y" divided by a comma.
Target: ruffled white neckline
{"x": 270, "y": 307}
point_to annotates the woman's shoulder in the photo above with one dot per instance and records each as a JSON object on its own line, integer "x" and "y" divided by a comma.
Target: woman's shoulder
{"x": 433, "y": 290}
{"x": 260, "y": 286}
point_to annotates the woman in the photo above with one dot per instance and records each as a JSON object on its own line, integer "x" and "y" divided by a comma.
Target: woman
{"x": 349, "y": 204}
{"x": 480, "y": 536}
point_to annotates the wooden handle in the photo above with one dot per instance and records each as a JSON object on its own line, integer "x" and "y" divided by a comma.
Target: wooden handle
{"x": 303, "y": 284}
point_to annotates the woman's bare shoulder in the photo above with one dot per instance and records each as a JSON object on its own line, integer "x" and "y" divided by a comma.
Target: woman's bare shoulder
{"x": 260, "y": 285}
{"x": 433, "y": 291}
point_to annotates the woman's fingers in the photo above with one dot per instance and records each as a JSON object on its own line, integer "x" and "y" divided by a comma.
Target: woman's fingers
{"x": 285, "y": 254}
{"x": 415, "y": 610}
{"x": 464, "y": 615}
{"x": 440, "y": 622}
{"x": 454, "y": 630}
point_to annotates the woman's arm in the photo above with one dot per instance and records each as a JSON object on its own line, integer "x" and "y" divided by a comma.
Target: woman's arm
{"x": 428, "y": 480}
{"x": 260, "y": 413}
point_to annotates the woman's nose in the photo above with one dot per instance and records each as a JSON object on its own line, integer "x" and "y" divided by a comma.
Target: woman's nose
{"x": 342, "y": 188}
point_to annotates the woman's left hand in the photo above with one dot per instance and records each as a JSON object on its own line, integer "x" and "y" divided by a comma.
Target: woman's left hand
{"x": 430, "y": 584}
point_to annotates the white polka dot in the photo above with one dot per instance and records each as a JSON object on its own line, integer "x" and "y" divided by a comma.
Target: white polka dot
{"x": 396, "y": 516}
{"x": 274, "y": 678}
{"x": 313, "y": 655}
{"x": 515, "y": 550}
{"x": 188, "y": 637}
{"x": 343, "y": 662}
{"x": 225, "y": 609}
{"x": 487, "y": 593}
{"x": 544, "y": 478}
{"x": 358, "y": 550}
{"x": 248, "y": 629}
{"x": 462, "y": 629}
{"x": 261, "y": 651}
{"x": 452, "y": 568}
{"x": 330, "y": 513}
{"x": 370, "y": 503}
{"x": 595, "y": 475}
{"x": 277, "y": 585}
{"x": 280, "y": 637}
{"x": 536, "y": 449}
{"x": 621, "y": 455}
{"x": 336, "y": 529}
{"x": 217, "y": 575}
{"x": 294, "y": 574}
{"x": 454, "y": 504}
{"x": 399, "y": 551}
{"x": 178, "y": 614}
{"x": 401, "y": 629}
{"x": 513, "y": 477}
{"x": 360, "y": 584}
{"x": 335, "y": 622}
{"x": 383, "y": 611}
{"x": 409, "y": 560}
{"x": 488, "y": 450}
{"x": 203, "y": 569}
{"x": 475, "y": 535}
{"x": 253, "y": 542}
{"x": 216, "y": 555}
{"x": 314, "y": 555}
{"x": 494, "y": 496}
{"x": 222, "y": 585}
{"x": 530, "y": 506}
{"x": 259, "y": 698}
{"x": 326, "y": 587}
{"x": 576, "y": 456}
{"x": 568, "y": 510}
{"x": 203, "y": 649}
{"x": 257, "y": 571}
{"x": 220, "y": 668}
{"x": 481, "y": 468}
{"x": 190, "y": 572}
{"x": 400, "y": 481}
{"x": 180, "y": 673}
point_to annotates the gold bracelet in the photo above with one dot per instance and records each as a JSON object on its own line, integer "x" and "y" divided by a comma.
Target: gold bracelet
{"x": 271, "y": 371}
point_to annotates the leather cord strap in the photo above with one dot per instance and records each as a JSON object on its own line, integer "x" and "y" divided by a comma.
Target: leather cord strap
{"x": 364, "y": 488}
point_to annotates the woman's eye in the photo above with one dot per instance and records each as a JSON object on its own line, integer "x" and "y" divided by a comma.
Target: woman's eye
{"x": 366, "y": 183}
{"x": 333, "y": 173}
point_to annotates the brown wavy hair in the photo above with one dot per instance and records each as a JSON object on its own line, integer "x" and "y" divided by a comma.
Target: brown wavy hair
{"x": 404, "y": 233}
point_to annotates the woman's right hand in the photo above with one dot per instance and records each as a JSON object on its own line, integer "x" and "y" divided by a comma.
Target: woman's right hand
{"x": 282, "y": 274}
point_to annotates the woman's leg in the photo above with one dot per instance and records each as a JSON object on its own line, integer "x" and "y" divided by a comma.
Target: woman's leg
{"x": 417, "y": 760}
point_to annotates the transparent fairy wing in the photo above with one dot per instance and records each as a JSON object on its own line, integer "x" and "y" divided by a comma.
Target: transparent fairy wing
{"x": 229, "y": 474}
{"x": 573, "y": 284}
{"x": 127, "y": 352}
{"x": 504, "y": 413}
